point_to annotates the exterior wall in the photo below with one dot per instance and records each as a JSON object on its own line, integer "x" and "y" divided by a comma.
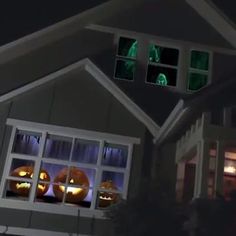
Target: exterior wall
{"x": 78, "y": 101}
{"x": 176, "y": 20}
{"x": 223, "y": 67}
{"x": 165, "y": 167}
{"x": 52, "y": 57}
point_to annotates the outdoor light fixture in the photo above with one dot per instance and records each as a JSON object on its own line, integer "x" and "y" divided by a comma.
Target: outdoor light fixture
{"x": 230, "y": 169}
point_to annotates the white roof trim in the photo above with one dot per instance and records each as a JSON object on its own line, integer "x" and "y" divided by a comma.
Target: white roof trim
{"x": 123, "y": 98}
{"x": 170, "y": 122}
{"x": 173, "y": 42}
{"x": 102, "y": 79}
{"x": 62, "y": 29}
{"x": 216, "y": 20}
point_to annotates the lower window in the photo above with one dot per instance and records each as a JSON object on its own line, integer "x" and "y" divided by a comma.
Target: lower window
{"x": 46, "y": 167}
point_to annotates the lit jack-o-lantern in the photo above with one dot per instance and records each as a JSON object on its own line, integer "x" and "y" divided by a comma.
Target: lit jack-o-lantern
{"x": 23, "y": 187}
{"x": 107, "y": 198}
{"x": 76, "y": 177}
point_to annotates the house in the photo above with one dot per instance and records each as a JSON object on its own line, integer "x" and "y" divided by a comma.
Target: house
{"x": 92, "y": 105}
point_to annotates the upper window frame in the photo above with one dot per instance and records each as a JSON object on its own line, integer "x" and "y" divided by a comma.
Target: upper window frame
{"x": 164, "y": 45}
{"x": 199, "y": 71}
{"x": 120, "y": 57}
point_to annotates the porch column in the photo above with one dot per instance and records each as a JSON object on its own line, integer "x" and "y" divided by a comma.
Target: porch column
{"x": 180, "y": 181}
{"x": 219, "y": 170}
{"x": 202, "y": 169}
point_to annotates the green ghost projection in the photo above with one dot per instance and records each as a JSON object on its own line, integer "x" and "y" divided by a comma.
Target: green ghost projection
{"x": 199, "y": 60}
{"x": 154, "y": 53}
{"x": 132, "y": 53}
{"x": 161, "y": 79}
{"x": 133, "y": 50}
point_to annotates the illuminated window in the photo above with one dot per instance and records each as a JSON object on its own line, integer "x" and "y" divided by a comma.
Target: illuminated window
{"x": 63, "y": 169}
{"x": 162, "y": 65}
{"x": 198, "y": 70}
{"x": 126, "y": 59}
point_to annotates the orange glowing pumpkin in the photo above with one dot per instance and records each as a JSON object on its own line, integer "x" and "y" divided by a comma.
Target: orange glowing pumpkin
{"x": 107, "y": 198}
{"x": 76, "y": 177}
{"x": 22, "y": 188}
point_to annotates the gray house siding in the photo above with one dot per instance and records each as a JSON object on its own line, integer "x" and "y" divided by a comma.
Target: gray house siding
{"x": 54, "y": 56}
{"x": 223, "y": 66}
{"x": 168, "y": 18}
{"x": 77, "y": 101}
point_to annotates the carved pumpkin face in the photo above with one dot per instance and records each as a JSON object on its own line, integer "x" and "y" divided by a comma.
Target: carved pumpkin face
{"x": 106, "y": 198}
{"x": 23, "y": 187}
{"x": 73, "y": 194}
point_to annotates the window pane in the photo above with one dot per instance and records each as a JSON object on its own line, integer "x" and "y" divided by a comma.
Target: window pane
{"x": 85, "y": 151}
{"x": 161, "y": 75}
{"x": 125, "y": 69}
{"x": 58, "y": 147}
{"x": 230, "y": 167}
{"x": 112, "y": 180}
{"x": 54, "y": 171}
{"x": 115, "y": 155}
{"x": 72, "y": 196}
{"x": 197, "y": 81}
{"x": 49, "y": 174}
{"x": 19, "y": 190}
{"x": 127, "y": 47}
{"x": 168, "y": 56}
{"x": 22, "y": 168}
{"x": 199, "y": 60}
{"x": 82, "y": 176}
{"x": 26, "y": 143}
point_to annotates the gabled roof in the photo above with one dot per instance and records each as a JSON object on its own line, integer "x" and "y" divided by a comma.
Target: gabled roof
{"x": 215, "y": 96}
{"x": 186, "y": 20}
{"x": 62, "y": 29}
{"x": 216, "y": 19}
{"x": 100, "y": 77}
{"x": 227, "y": 7}
{"x": 176, "y": 19}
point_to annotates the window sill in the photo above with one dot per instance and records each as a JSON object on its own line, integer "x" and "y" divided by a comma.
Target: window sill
{"x": 50, "y": 208}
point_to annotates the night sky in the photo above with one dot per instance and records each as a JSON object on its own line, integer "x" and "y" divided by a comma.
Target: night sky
{"x": 20, "y": 17}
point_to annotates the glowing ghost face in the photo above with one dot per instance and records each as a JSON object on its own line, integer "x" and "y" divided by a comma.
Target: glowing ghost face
{"x": 22, "y": 188}
{"x": 161, "y": 79}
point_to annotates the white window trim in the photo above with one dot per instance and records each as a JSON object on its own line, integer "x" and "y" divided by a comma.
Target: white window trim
{"x": 182, "y": 67}
{"x": 74, "y": 133}
{"x": 124, "y": 58}
{"x": 199, "y": 71}
{"x": 177, "y": 67}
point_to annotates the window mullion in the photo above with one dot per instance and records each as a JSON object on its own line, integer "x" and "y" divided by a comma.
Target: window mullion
{"x": 68, "y": 172}
{"x": 183, "y": 64}
{"x": 38, "y": 160}
{"x": 98, "y": 175}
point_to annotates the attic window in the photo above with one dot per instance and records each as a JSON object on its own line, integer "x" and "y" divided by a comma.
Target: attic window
{"x": 198, "y": 70}
{"x": 162, "y": 65}
{"x": 126, "y": 59}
